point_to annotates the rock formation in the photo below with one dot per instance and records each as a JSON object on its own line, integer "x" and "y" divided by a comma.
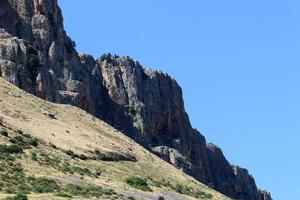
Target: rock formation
{"x": 147, "y": 105}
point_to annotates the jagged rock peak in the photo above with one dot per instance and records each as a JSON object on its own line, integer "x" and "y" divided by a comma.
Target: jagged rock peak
{"x": 114, "y": 59}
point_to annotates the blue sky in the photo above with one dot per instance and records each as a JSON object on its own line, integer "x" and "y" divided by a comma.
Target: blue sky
{"x": 237, "y": 62}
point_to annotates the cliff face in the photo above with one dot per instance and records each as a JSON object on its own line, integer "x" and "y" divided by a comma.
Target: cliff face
{"x": 38, "y": 56}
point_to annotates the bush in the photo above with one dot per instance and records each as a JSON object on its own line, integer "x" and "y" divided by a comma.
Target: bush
{"x": 66, "y": 168}
{"x": 43, "y": 185}
{"x": 82, "y": 171}
{"x": 82, "y": 157}
{"x": 162, "y": 183}
{"x": 1, "y": 118}
{"x": 182, "y": 189}
{"x": 12, "y": 177}
{"x": 24, "y": 141}
{"x": 113, "y": 156}
{"x": 191, "y": 191}
{"x": 52, "y": 146}
{"x": 18, "y": 140}
{"x": 19, "y": 196}
{"x": 34, "y": 142}
{"x": 11, "y": 149}
{"x": 20, "y": 132}
{"x": 88, "y": 191}
{"x": 4, "y": 133}
{"x": 71, "y": 153}
{"x": 49, "y": 160}
{"x": 34, "y": 156}
{"x": 62, "y": 194}
{"x": 138, "y": 183}
{"x": 179, "y": 188}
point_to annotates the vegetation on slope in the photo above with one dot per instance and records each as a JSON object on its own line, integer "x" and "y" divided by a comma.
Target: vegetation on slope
{"x": 75, "y": 154}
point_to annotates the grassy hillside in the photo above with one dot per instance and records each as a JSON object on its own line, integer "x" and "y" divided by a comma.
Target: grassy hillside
{"x": 52, "y": 151}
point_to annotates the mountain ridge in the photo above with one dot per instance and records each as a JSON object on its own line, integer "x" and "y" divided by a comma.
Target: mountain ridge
{"x": 38, "y": 56}
{"x": 77, "y": 155}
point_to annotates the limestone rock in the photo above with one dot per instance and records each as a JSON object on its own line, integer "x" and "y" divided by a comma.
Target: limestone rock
{"x": 147, "y": 105}
{"x": 50, "y": 114}
{"x": 153, "y": 101}
{"x": 264, "y": 195}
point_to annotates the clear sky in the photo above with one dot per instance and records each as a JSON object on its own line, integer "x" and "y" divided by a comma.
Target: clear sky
{"x": 236, "y": 60}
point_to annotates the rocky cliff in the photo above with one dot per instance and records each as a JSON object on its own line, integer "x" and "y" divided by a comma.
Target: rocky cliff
{"x": 147, "y": 105}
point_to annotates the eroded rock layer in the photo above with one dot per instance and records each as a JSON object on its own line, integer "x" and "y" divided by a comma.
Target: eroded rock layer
{"x": 38, "y": 56}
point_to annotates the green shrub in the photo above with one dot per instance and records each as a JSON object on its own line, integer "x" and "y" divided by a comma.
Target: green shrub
{"x": 34, "y": 156}
{"x": 24, "y": 141}
{"x": 113, "y": 156}
{"x": 11, "y": 149}
{"x": 162, "y": 183}
{"x": 48, "y": 160}
{"x": 18, "y": 140}
{"x": 43, "y": 185}
{"x": 182, "y": 189}
{"x": 88, "y": 191}
{"x": 82, "y": 171}
{"x": 66, "y": 168}
{"x": 19, "y": 196}
{"x": 191, "y": 191}
{"x": 10, "y": 190}
{"x": 62, "y": 194}
{"x": 179, "y": 188}
{"x": 138, "y": 183}
{"x": 82, "y": 157}
{"x": 52, "y": 146}
{"x": 4, "y": 133}
{"x": 33, "y": 142}
{"x": 20, "y": 132}
{"x": 12, "y": 177}
{"x": 71, "y": 153}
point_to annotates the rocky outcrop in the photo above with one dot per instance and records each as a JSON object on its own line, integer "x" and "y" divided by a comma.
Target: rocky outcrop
{"x": 147, "y": 105}
{"x": 153, "y": 100}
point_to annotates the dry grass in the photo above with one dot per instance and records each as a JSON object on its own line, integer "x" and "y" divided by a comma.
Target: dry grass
{"x": 76, "y": 130}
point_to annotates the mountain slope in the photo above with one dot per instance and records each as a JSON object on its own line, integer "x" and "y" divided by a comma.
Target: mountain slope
{"x": 37, "y": 56}
{"x": 73, "y": 130}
